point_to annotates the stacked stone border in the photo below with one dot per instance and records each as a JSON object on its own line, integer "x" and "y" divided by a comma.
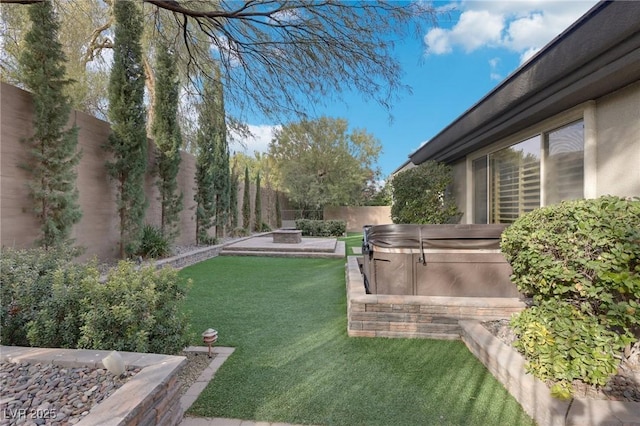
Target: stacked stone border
{"x": 198, "y": 255}
{"x": 434, "y": 317}
{"x": 507, "y": 365}
{"x": 150, "y": 397}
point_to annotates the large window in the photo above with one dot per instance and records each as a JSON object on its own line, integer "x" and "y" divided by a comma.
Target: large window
{"x": 508, "y": 183}
{"x": 563, "y": 166}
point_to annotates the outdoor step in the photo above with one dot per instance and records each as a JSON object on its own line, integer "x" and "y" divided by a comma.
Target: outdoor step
{"x": 321, "y": 255}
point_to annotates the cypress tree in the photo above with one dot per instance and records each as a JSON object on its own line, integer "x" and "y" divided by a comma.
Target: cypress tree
{"x": 53, "y": 149}
{"x": 246, "y": 207}
{"x": 220, "y": 166}
{"x": 233, "y": 198}
{"x": 128, "y": 140}
{"x": 258, "y": 205}
{"x": 278, "y": 211}
{"x": 205, "y": 161}
{"x": 168, "y": 139}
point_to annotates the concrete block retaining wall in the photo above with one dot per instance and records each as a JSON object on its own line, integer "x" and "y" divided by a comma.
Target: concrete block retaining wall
{"x": 375, "y": 315}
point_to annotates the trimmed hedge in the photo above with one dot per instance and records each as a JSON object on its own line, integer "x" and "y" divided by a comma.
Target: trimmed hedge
{"x": 48, "y": 301}
{"x": 321, "y": 228}
{"x": 580, "y": 262}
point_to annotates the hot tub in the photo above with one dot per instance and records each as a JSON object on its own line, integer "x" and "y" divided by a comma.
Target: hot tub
{"x": 436, "y": 260}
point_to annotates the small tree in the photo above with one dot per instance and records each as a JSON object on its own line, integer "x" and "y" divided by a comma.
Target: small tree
{"x": 421, "y": 195}
{"x": 246, "y": 207}
{"x": 168, "y": 139}
{"x": 53, "y": 149}
{"x": 258, "y": 206}
{"x": 278, "y": 211}
{"x": 128, "y": 141}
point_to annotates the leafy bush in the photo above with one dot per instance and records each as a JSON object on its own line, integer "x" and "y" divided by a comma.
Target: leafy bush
{"x": 27, "y": 278}
{"x": 321, "y": 228}
{"x": 422, "y": 195}
{"x": 135, "y": 310}
{"x": 154, "y": 244}
{"x": 59, "y": 319}
{"x": 47, "y": 301}
{"x": 580, "y": 262}
{"x": 587, "y": 251}
{"x": 563, "y": 343}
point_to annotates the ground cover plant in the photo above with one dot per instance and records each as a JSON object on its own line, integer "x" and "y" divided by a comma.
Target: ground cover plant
{"x": 295, "y": 363}
{"x": 580, "y": 262}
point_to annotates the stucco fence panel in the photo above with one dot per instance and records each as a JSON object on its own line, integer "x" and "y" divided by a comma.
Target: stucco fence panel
{"x": 98, "y": 230}
{"x": 357, "y": 217}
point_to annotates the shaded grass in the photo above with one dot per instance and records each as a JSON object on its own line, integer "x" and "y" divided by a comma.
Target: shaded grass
{"x": 353, "y": 239}
{"x": 295, "y": 363}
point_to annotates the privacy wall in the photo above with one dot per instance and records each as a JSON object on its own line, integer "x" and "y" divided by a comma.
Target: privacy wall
{"x": 98, "y": 230}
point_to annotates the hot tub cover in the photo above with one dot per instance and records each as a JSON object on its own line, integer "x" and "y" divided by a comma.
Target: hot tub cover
{"x": 435, "y": 236}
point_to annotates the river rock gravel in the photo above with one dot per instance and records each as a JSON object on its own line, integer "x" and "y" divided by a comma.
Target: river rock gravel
{"x": 45, "y": 394}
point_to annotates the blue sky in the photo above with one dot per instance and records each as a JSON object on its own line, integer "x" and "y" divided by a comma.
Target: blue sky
{"x": 475, "y": 46}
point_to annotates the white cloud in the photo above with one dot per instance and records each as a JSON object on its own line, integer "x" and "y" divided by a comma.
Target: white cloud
{"x": 257, "y": 141}
{"x": 494, "y": 63}
{"x": 523, "y": 27}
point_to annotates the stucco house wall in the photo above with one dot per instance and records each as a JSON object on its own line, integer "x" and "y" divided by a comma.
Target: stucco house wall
{"x": 581, "y": 91}
{"x": 618, "y": 143}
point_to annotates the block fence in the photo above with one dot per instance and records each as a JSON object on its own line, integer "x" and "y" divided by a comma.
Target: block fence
{"x": 98, "y": 230}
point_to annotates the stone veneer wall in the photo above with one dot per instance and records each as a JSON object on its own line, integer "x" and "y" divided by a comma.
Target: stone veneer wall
{"x": 434, "y": 317}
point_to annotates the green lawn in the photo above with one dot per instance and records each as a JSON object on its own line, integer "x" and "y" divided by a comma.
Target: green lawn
{"x": 353, "y": 239}
{"x": 295, "y": 363}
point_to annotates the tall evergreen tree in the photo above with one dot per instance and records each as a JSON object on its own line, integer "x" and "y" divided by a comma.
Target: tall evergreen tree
{"x": 278, "y": 211}
{"x": 220, "y": 166}
{"x": 258, "y": 206}
{"x": 246, "y": 206}
{"x": 233, "y": 198}
{"x": 128, "y": 140}
{"x": 168, "y": 139}
{"x": 207, "y": 147}
{"x": 53, "y": 149}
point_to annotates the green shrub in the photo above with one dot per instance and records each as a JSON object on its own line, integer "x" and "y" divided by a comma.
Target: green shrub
{"x": 59, "y": 319}
{"x": 240, "y": 232}
{"x": 265, "y": 227}
{"x": 135, "y": 310}
{"x": 423, "y": 195}
{"x": 580, "y": 262}
{"x": 27, "y": 278}
{"x": 586, "y": 251}
{"x": 562, "y": 343}
{"x": 48, "y": 301}
{"x": 321, "y": 228}
{"x": 154, "y": 244}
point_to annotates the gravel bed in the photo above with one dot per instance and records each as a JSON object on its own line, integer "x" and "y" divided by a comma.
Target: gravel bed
{"x": 37, "y": 394}
{"x": 196, "y": 363}
{"x": 624, "y": 386}
{"x": 45, "y": 394}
